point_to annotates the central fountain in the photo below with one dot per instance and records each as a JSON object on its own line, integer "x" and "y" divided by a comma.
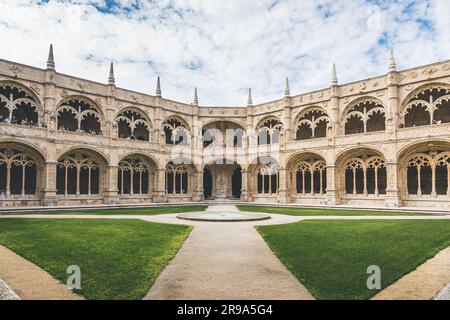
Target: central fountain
{"x": 223, "y": 216}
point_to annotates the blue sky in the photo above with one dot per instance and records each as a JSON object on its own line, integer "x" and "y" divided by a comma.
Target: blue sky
{"x": 224, "y": 47}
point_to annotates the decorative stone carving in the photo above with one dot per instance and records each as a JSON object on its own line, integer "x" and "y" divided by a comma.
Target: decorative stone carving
{"x": 16, "y": 69}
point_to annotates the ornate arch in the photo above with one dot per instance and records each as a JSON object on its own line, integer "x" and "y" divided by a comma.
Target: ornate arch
{"x": 217, "y": 130}
{"x": 428, "y": 104}
{"x": 135, "y": 175}
{"x": 133, "y": 123}
{"x": 177, "y": 178}
{"x": 176, "y": 130}
{"x": 311, "y": 122}
{"x": 424, "y": 168}
{"x": 365, "y": 114}
{"x": 80, "y": 113}
{"x": 20, "y": 168}
{"x": 19, "y": 104}
{"x": 80, "y": 172}
{"x": 307, "y": 174}
{"x": 268, "y": 130}
{"x": 363, "y": 171}
{"x": 265, "y": 175}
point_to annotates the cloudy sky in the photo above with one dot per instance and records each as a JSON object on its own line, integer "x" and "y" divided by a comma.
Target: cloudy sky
{"x": 224, "y": 46}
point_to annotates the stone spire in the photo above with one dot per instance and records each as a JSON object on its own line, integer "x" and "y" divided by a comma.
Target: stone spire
{"x": 392, "y": 66}
{"x": 334, "y": 80}
{"x": 287, "y": 91}
{"x": 195, "y": 97}
{"x": 158, "y": 87}
{"x": 111, "y": 79}
{"x": 249, "y": 100}
{"x": 51, "y": 60}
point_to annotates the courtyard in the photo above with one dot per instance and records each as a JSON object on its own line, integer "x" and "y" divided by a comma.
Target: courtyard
{"x": 296, "y": 254}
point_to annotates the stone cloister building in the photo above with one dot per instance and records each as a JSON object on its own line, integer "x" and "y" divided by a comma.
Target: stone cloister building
{"x": 383, "y": 141}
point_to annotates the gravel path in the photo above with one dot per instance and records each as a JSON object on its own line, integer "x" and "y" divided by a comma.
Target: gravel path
{"x": 424, "y": 283}
{"x": 29, "y": 281}
{"x": 226, "y": 261}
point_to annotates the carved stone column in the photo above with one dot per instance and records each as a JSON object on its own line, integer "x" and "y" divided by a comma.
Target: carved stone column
{"x": 393, "y": 198}
{"x": 159, "y": 194}
{"x": 110, "y": 185}
{"x": 332, "y": 195}
{"x": 198, "y": 185}
{"x": 49, "y": 184}
{"x": 283, "y": 194}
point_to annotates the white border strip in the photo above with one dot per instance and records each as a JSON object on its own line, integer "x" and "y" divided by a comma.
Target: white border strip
{"x": 444, "y": 294}
{"x": 6, "y": 293}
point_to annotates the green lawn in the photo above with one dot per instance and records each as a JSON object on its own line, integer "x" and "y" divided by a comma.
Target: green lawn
{"x": 135, "y": 211}
{"x": 321, "y": 212}
{"x": 331, "y": 257}
{"x": 118, "y": 259}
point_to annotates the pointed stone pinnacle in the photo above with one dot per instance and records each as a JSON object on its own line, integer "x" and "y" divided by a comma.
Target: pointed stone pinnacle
{"x": 158, "y": 87}
{"x": 334, "y": 80}
{"x": 287, "y": 91}
{"x": 50, "y": 60}
{"x": 195, "y": 97}
{"x": 111, "y": 79}
{"x": 249, "y": 100}
{"x": 392, "y": 67}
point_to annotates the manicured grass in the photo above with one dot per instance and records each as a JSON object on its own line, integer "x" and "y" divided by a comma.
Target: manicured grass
{"x": 118, "y": 259}
{"x": 331, "y": 257}
{"x": 135, "y": 211}
{"x": 321, "y": 212}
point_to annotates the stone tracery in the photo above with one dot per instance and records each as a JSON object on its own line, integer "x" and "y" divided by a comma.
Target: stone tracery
{"x": 175, "y": 132}
{"x": 365, "y": 116}
{"x": 428, "y": 173}
{"x": 365, "y": 174}
{"x": 312, "y": 124}
{"x": 78, "y": 115}
{"x": 269, "y": 132}
{"x": 134, "y": 176}
{"x": 133, "y": 125}
{"x": 77, "y": 175}
{"x": 17, "y": 106}
{"x": 18, "y": 173}
{"x": 429, "y": 106}
{"x": 177, "y": 179}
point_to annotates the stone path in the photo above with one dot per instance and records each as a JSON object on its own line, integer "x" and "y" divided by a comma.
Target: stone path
{"x": 29, "y": 281}
{"x": 226, "y": 261}
{"x": 424, "y": 283}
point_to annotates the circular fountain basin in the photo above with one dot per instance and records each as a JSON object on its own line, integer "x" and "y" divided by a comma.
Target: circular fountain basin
{"x": 223, "y": 216}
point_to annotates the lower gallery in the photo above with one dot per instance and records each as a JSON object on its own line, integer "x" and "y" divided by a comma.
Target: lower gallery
{"x": 383, "y": 141}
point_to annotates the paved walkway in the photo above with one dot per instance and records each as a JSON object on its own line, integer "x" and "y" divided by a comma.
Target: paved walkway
{"x": 424, "y": 283}
{"x": 226, "y": 261}
{"x": 29, "y": 281}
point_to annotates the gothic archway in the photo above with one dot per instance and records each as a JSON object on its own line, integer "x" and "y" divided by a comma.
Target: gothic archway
{"x": 79, "y": 114}
{"x": 18, "y": 105}
{"x": 133, "y": 124}
{"x": 365, "y": 115}
{"x": 80, "y": 174}
{"x": 312, "y": 123}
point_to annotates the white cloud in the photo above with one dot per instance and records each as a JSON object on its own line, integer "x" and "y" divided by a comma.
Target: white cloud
{"x": 223, "y": 47}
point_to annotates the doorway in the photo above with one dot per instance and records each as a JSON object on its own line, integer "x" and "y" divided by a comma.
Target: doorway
{"x": 207, "y": 183}
{"x": 236, "y": 183}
